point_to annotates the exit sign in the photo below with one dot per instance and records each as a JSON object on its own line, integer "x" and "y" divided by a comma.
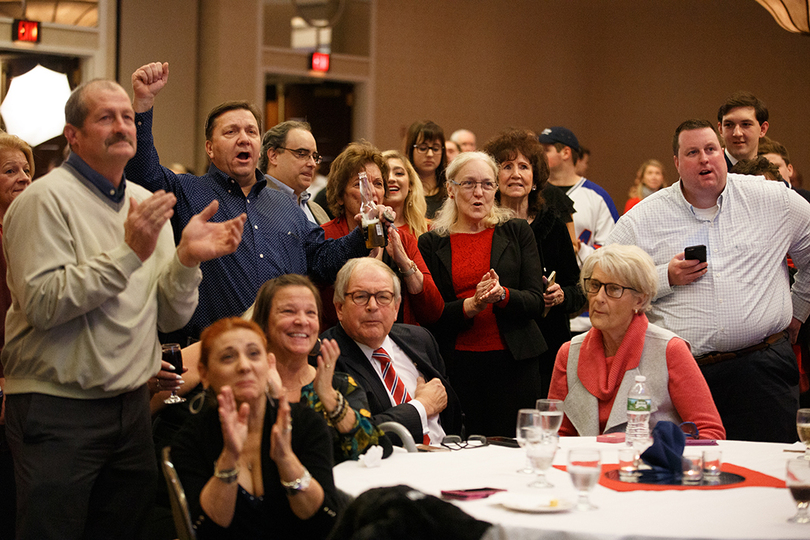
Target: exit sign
{"x": 23, "y": 30}
{"x": 319, "y": 62}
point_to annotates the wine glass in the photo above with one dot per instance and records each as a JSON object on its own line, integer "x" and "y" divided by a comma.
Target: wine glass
{"x": 551, "y": 415}
{"x": 584, "y": 466}
{"x": 541, "y": 448}
{"x": 798, "y": 480}
{"x": 803, "y": 427}
{"x": 527, "y": 420}
{"x": 172, "y": 355}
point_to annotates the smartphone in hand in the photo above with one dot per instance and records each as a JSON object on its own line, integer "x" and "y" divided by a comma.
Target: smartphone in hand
{"x": 695, "y": 252}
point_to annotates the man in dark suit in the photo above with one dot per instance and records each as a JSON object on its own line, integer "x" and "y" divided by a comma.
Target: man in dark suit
{"x": 398, "y": 365}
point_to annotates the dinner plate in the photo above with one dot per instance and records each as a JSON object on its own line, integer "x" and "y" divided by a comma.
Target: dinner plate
{"x": 534, "y": 504}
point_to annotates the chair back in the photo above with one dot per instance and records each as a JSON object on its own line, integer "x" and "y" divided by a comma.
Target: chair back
{"x": 182, "y": 518}
{"x": 399, "y": 430}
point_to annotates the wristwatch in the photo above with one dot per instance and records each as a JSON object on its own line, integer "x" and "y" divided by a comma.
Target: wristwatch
{"x": 298, "y": 485}
{"x": 410, "y": 271}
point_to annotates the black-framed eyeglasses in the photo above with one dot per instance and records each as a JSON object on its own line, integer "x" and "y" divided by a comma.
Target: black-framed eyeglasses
{"x": 361, "y": 298}
{"x": 469, "y": 185}
{"x": 613, "y": 290}
{"x": 303, "y": 153}
{"x": 423, "y": 148}
{"x": 454, "y": 442}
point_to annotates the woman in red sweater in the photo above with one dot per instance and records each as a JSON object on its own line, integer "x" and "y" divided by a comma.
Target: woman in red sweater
{"x": 488, "y": 270}
{"x": 421, "y": 302}
{"x": 595, "y": 371}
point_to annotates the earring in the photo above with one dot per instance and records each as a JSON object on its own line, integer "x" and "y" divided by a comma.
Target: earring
{"x": 534, "y": 187}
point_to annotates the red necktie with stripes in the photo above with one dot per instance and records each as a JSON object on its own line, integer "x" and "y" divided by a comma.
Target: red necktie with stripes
{"x": 393, "y": 382}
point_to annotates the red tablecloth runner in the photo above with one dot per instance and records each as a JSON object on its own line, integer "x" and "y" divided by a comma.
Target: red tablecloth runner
{"x": 752, "y": 479}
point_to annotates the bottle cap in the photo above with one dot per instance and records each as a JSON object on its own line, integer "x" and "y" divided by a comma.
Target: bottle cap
{"x": 640, "y": 378}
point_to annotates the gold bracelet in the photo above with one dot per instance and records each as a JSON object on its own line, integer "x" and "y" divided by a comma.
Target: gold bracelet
{"x": 228, "y": 476}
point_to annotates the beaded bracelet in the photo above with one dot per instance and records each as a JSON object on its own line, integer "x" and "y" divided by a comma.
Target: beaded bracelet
{"x": 341, "y": 404}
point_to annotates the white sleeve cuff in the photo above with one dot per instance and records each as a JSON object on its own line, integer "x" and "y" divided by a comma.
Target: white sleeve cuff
{"x": 422, "y": 416}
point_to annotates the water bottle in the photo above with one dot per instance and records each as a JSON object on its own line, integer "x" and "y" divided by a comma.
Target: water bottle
{"x": 639, "y": 405}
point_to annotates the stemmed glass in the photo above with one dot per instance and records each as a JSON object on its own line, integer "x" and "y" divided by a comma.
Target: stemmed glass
{"x": 527, "y": 421}
{"x": 172, "y": 355}
{"x": 798, "y": 480}
{"x": 551, "y": 415}
{"x": 541, "y": 449}
{"x": 803, "y": 427}
{"x": 584, "y": 466}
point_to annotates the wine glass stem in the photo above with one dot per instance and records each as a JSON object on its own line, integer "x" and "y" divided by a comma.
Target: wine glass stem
{"x": 807, "y": 452}
{"x": 582, "y": 501}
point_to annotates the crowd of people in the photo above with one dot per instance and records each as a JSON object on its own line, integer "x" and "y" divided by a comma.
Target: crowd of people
{"x": 506, "y": 276}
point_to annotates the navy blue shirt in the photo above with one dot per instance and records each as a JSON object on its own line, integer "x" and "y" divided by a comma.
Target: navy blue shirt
{"x": 278, "y": 238}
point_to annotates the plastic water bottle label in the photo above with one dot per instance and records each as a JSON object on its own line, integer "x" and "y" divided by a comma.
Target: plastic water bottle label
{"x": 639, "y": 404}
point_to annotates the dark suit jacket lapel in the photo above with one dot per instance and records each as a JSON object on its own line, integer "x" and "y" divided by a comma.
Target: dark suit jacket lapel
{"x": 355, "y": 357}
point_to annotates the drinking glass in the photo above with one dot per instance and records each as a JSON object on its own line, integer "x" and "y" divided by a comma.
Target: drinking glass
{"x": 551, "y": 415}
{"x": 584, "y": 466}
{"x": 527, "y": 421}
{"x": 172, "y": 355}
{"x": 541, "y": 449}
{"x": 798, "y": 481}
{"x": 803, "y": 427}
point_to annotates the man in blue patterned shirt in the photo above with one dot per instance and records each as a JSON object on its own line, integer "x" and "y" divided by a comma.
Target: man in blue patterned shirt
{"x": 278, "y": 239}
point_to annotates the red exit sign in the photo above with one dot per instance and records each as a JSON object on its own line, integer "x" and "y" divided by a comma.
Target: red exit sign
{"x": 319, "y": 62}
{"x": 25, "y": 31}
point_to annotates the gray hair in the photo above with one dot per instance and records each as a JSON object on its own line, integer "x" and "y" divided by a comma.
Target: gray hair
{"x": 345, "y": 274}
{"x": 276, "y": 137}
{"x": 76, "y": 110}
{"x": 447, "y": 215}
{"x": 629, "y": 264}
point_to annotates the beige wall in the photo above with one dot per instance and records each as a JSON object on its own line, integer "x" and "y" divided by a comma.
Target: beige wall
{"x": 620, "y": 74}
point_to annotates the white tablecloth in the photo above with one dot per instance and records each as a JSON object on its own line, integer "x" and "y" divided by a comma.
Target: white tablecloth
{"x": 740, "y": 513}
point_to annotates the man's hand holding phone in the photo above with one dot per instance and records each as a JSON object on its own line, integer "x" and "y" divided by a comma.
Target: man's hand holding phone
{"x": 689, "y": 266}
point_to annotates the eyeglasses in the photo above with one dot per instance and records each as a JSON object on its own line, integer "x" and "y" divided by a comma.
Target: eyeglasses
{"x": 361, "y": 298}
{"x": 302, "y": 153}
{"x": 469, "y": 185}
{"x": 423, "y": 148}
{"x": 454, "y": 442}
{"x": 613, "y": 290}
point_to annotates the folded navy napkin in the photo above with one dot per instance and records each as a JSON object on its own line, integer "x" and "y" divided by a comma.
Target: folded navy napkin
{"x": 664, "y": 456}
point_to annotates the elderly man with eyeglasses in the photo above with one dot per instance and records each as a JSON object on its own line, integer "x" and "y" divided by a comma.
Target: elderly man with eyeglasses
{"x": 398, "y": 365}
{"x": 278, "y": 238}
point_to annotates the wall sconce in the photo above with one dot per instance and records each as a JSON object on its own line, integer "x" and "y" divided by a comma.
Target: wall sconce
{"x": 792, "y": 15}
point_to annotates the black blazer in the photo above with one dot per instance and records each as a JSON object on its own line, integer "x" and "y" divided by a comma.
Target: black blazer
{"x": 515, "y": 258}
{"x": 422, "y": 349}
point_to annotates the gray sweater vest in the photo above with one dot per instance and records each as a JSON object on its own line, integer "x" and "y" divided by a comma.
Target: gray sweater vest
{"x": 582, "y": 408}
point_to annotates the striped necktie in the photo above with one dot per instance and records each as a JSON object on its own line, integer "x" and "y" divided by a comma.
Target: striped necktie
{"x": 392, "y": 381}
{"x": 394, "y": 384}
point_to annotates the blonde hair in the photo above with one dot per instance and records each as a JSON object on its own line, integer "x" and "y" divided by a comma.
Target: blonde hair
{"x": 414, "y": 206}
{"x": 8, "y": 140}
{"x": 447, "y": 216}
{"x": 636, "y": 188}
{"x": 629, "y": 264}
